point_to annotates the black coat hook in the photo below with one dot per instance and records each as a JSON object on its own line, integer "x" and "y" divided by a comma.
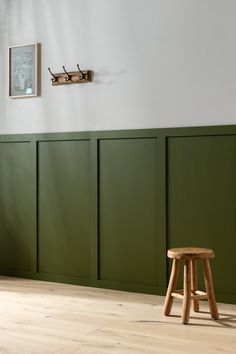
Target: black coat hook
{"x": 67, "y": 74}
{"x": 54, "y": 78}
{"x": 82, "y": 75}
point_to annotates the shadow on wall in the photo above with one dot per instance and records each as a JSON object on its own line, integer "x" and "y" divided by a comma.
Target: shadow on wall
{"x": 104, "y": 76}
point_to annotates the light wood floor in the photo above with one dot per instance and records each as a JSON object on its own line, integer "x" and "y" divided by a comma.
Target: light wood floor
{"x": 40, "y": 317}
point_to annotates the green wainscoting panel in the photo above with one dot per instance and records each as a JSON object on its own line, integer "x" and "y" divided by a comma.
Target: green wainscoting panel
{"x": 102, "y": 208}
{"x": 17, "y": 193}
{"x": 64, "y": 240}
{"x": 128, "y": 215}
{"x": 202, "y": 200}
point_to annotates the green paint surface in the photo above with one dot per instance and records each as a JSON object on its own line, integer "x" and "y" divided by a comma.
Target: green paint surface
{"x": 128, "y": 239}
{"x": 202, "y": 200}
{"x": 64, "y": 208}
{"x": 102, "y": 208}
{"x": 16, "y": 190}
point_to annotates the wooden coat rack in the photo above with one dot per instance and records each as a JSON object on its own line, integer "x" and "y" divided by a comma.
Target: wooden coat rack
{"x": 71, "y": 77}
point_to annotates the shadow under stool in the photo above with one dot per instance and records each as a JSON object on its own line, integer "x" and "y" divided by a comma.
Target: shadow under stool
{"x": 190, "y": 255}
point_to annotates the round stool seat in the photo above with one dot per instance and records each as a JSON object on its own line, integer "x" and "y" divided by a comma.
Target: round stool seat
{"x": 190, "y": 253}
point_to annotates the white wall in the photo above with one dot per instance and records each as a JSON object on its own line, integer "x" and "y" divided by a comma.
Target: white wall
{"x": 156, "y": 63}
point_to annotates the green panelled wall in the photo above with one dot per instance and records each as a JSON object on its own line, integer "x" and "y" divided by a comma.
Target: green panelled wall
{"x": 101, "y": 208}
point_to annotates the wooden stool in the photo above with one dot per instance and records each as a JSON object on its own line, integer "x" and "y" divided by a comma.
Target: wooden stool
{"x": 190, "y": 256}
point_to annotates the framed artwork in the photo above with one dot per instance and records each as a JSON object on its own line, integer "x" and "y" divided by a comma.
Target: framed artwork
{"x": 24, "y": 71}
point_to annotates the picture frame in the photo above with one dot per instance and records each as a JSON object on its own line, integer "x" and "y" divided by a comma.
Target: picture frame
{"x": 24, "y": 70}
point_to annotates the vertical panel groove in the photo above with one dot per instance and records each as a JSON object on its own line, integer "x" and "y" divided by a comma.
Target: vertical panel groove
{"x": 94, "y": 209}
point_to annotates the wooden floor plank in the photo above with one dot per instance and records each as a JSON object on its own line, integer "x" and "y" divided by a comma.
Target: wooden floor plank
{"x": 49, "y": 318}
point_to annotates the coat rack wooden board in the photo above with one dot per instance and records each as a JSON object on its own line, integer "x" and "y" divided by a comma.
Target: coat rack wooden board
{"x": 74, "y": 78}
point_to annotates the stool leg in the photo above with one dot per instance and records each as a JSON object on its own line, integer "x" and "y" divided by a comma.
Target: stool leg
{"x": 171, "y": 287}
{"x": 187, "y": 292}
{"x": 210, "y": 289}
{"x": 195, "y": 303}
